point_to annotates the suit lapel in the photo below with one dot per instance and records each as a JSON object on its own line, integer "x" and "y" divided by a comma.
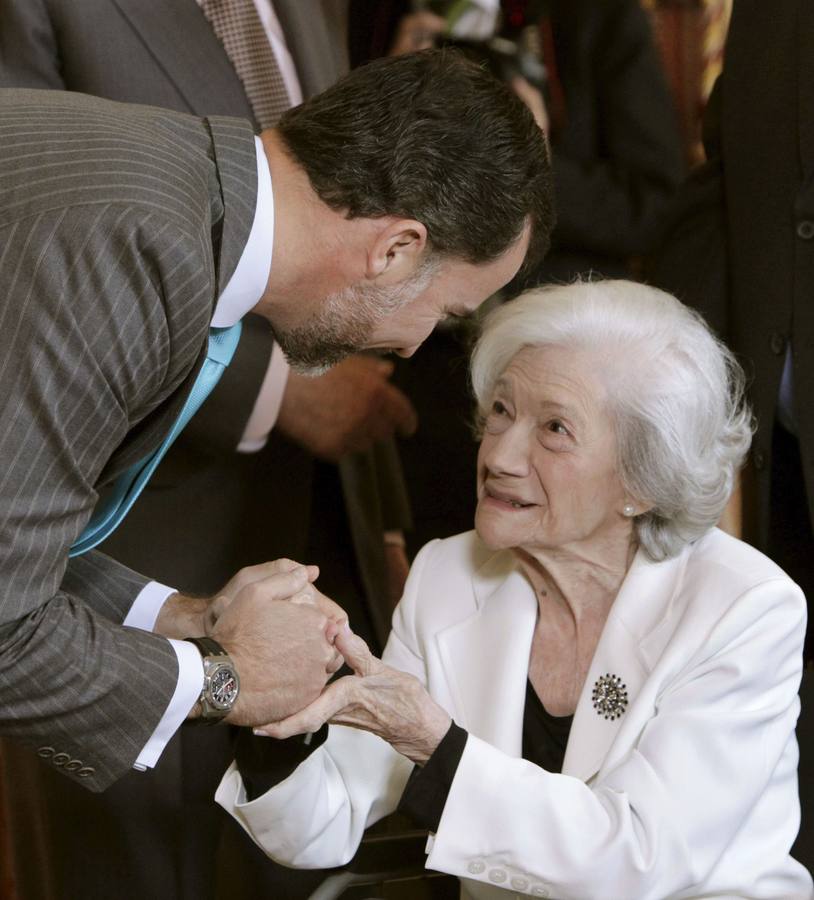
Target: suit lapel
{"x": 623, "y": 651}
{"x": 197, "y": 66}
{"x": 486, "y": 657}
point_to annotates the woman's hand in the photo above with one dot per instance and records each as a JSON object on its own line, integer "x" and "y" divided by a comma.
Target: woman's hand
{"x": 391, "y": 704}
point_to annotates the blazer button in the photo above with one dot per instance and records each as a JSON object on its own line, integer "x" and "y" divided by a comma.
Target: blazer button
{"x": 520, "y": 884}
{"x": 539, "y": 891}
{"x": 60, "y": 759}
{"x": 497, "y": 875}
{"x": 759, "y": 459}
{"x": 777, "y": 343}
{"x": 476, "y": 867}
{"x": 85, "y": 772}
{"x": 73, "y": 765}
{"x": 45, "y": 752}
{"x": 805, "y": 229}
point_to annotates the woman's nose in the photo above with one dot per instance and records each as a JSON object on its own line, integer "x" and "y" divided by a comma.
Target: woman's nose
{"x": 508, "y": 453}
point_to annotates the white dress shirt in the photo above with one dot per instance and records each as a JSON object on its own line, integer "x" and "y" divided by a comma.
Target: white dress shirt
{"x": 241, "y": 294}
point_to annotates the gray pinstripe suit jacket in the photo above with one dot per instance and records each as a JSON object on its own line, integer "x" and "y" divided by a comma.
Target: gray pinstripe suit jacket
{"x": 118, "y": 227}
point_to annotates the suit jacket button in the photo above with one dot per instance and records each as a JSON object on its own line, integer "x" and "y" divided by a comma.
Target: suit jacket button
{"x": 45, "y": 752}
{"x": 539, "y": 891}
{"x": 497, "y": 875}
{"x": 777, "y": 343}
{"x": 805, "y": 229}
{"x": 520, "y": 884}
{"x": 85, "y": 772}
{"x": 73, "y": 765}
{"x": 476, "y": 867}
{"x": 759, "y": 458}
{"x": 59, "y": 759}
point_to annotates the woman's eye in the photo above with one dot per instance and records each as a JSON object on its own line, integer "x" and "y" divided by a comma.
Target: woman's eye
{"x": 499, "y": 408}
{"x": 558, "y": 428}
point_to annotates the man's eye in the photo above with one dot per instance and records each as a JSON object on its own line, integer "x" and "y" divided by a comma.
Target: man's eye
{"x": 558, "y": 428}
{"x": 499, "y": 408}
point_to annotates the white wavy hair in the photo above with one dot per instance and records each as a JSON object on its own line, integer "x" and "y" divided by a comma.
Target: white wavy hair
{"x": 675, "y": 392}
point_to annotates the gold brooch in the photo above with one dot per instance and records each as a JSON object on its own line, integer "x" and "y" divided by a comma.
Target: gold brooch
{"x": 609, "y": 696}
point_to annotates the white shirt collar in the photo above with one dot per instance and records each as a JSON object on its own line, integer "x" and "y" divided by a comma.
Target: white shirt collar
{"x": 248, "y": 281}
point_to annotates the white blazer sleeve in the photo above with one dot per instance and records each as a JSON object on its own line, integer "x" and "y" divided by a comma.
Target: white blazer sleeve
{"x": 656, "y": 823}
{"x": 316, "y": 818}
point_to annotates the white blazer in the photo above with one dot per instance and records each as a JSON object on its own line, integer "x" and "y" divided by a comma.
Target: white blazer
{"x": 691, "y": 792}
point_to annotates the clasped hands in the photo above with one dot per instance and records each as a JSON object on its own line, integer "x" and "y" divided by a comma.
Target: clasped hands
{"x": 286, "y": 639}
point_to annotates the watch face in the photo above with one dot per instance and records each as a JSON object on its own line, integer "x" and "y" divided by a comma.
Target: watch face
{"x": 223, "y": 687}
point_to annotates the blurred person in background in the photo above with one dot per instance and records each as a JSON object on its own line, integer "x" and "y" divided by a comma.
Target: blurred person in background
{"x": 739, "y": 246}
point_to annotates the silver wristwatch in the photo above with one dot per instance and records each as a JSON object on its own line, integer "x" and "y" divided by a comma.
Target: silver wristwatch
{"x": 221, "y": 682}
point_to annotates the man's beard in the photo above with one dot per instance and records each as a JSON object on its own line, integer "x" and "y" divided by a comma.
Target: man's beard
{"x": 345, "y": 322}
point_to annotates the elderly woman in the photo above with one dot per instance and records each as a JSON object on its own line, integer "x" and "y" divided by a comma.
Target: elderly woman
{"x": 594, "y": 694}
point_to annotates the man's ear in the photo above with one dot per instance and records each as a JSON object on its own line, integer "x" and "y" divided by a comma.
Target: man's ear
{"x": 396, "y": 251}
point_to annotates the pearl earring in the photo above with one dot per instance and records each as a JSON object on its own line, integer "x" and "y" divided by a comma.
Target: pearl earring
{"x": 628, "y": 510}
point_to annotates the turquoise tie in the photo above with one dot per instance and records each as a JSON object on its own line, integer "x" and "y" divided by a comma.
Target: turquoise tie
{"x": 125, "y": 491}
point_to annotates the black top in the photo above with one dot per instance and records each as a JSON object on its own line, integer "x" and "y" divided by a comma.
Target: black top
{"x": 264, "y": 762}
{"x": 544, "y": 741}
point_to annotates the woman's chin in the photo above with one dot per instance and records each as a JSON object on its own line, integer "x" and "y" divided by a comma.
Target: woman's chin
{"x": 495, "y": 535}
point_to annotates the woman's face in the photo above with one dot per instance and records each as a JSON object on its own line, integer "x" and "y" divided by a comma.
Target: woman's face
{"x": 547, "y": 474}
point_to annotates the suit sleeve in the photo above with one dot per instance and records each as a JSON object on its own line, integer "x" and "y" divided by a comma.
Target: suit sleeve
{"x": 610, "y": 204}
{"x": 105, "y": 585}
{"x": 86, "y": 363}
{"x": 29, "y": 53}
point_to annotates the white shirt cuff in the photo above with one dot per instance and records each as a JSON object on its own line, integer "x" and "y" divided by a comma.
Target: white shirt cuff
{"x": 143, "y": 614}
{"x": 187, "y": 692}
{"x": 147, "y": 605}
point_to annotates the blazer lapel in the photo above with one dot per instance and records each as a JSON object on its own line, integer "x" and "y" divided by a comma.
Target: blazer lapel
{"x": 486, "y": 657}
{"x": 632, "y": 626}
{"x": 198, "y": 66}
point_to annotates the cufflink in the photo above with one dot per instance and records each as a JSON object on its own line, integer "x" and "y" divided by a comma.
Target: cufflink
{"x": 609, "y": 696}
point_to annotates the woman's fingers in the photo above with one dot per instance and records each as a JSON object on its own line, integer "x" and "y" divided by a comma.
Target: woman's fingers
{"x": 334, "y": 698}
{"x": 356, "y": 653}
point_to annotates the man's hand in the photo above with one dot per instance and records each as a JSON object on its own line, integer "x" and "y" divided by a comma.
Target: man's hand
{"x": 534, "y": 101}
{"x": 346, "y": 410}
{"x": 182, "y": 616}
{"x": 378, "y": 699}
{"x": 282, "y": 650}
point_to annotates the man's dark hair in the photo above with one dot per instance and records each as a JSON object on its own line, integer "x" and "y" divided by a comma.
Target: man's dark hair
{"x": 429, "y": 136}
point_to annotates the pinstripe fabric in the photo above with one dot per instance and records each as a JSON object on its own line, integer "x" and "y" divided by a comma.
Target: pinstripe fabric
{"x": 107, "y": 283}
